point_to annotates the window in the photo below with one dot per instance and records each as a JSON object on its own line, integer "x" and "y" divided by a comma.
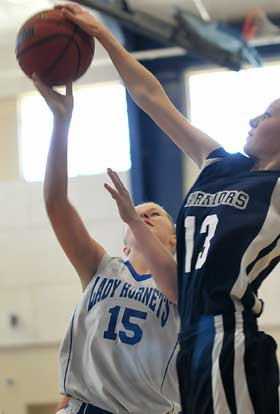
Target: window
{"x": 223, "y": 102}
{"x": 98, "y": 138}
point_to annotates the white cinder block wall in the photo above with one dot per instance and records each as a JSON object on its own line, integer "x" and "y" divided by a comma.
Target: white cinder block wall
{"x": 37, "y": 282}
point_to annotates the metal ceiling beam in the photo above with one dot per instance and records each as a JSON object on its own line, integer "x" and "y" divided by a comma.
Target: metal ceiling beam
{"x": 136, "y": 21}
{"x": 187, "y": 31}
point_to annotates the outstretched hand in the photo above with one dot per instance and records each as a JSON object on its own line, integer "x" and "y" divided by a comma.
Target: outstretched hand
{"x": 122, "y": 197}
{"x": 80, "y": 16}
{"x": 60, "y": 105}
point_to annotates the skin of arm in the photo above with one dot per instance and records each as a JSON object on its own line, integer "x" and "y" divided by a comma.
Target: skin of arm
{"x": 145, "y": 89}
{"x": 62, "y": 403}
{"x": 161, "y": 263}
{"x": 84, "y": 253}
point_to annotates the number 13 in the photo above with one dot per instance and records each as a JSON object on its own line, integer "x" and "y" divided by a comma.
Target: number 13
{"x": 208, "y": 226}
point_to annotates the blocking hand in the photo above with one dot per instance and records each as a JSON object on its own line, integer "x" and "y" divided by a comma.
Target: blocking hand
{"x": 80, "y": 16}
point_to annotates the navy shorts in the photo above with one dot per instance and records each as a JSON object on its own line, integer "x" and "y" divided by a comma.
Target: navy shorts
{"x": 226, "y": 366}
{"x": 75, "y": 406}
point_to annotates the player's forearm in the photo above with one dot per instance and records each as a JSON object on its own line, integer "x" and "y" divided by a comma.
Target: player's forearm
{"x": 56, "y": 179}
{"x": 140, "y": 82}
{"x": 162, "y": 265}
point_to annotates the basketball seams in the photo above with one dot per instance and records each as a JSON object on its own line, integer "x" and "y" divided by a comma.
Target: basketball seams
{"x": 31, "y": 25}
{"x": 79, "y": 56}
{"x": 41, "y": 42}
{"x": 58, "y": 43}
{"x": 76, "y": 40}
{"x": 55, "y": 62}
{"x": 87, "y": 40}
{"x": 66, "y": 23}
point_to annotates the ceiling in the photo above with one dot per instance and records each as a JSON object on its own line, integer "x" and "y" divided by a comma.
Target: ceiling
{"x": 14, "y": 12}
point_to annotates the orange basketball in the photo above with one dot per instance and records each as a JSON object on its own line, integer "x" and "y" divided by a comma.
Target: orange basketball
{"x": 53, "y": 47}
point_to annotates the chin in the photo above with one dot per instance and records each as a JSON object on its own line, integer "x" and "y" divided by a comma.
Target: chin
{"x": 248, "y": 151}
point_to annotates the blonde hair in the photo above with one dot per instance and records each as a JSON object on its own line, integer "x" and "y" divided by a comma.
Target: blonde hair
{"x": 166, "y": 213}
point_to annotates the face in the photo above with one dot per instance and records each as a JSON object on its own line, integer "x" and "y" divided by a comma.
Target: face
{"x": 156, "y": 218}
{"x": 263, "y": 141}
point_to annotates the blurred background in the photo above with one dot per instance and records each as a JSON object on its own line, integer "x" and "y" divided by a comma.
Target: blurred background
{"x": 38, "y": 286}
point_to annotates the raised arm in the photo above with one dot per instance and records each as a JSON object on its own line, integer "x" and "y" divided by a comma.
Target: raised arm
{"x": 145, "y": 89}
{"x": 161, "y": 263}
{"x": 84, "y": 253}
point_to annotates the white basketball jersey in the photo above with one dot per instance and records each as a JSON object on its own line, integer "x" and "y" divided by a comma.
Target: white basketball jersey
{"x": 119, "y": 352}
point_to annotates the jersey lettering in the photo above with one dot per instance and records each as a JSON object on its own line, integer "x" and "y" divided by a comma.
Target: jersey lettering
{"x": 152, "y": 298}
{"x": 233, "y": 198}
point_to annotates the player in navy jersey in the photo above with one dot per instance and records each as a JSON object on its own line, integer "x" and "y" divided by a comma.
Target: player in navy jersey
{"x": 228, "y": 241}
{"x": 119, "y": 352}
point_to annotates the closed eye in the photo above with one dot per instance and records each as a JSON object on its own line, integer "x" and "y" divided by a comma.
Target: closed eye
{"x": 155, "y": 213}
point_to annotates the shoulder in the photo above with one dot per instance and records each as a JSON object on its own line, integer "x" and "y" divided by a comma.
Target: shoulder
{"x": 110, "y": 265}
{"x": 221, "y": 162}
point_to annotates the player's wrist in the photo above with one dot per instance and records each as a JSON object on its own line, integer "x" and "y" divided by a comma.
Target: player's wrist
{"x": 135, "y": 222}
{"x": 62, "y": 120}
{"x": 101, "y": 33}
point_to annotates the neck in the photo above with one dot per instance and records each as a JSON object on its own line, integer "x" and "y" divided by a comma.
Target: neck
{"x": 273, "y": 165}
{"x": 139, "y": 263}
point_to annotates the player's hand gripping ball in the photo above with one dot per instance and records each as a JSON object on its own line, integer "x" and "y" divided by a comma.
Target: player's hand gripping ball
{"x": 54, "y": 48}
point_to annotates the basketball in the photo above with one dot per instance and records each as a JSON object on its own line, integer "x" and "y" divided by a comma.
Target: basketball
{"x": 54, "y": 48}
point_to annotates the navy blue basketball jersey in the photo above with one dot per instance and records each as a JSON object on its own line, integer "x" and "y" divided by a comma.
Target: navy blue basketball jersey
{"x": 228, "y": 237}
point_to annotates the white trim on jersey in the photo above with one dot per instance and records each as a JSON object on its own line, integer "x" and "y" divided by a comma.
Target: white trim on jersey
{"x": 209, "y": 161}
{"x": 242, "y": 396}
{"x": 268, "y": 233}
{"x": 218, "y": 394}
{"x": 241, "y": 391}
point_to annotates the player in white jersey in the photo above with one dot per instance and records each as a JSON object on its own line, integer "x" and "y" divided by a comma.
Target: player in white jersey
{"x": 118, "y": 355}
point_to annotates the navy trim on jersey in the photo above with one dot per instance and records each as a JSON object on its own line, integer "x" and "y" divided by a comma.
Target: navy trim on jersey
{"x": 70, "y": 350}
{"x": 136, "y": 276}
{"x": 91, "y": 409}
{"x": 168, "y": 363}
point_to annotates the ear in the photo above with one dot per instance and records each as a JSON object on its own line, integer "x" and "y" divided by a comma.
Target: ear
{"x": 126, "y": 250}
{"x": 172, "y": 242}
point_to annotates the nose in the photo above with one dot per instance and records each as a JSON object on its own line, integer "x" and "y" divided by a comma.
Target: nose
{"x": 144, "y": 215}
{"x": 254, "y": 122}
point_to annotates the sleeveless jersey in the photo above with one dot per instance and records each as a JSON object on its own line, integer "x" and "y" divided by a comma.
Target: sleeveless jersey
{"x": 228, "y": 237}
{"x": 119, "y": 352}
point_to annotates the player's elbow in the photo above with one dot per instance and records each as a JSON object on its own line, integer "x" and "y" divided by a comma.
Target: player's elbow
{"x": 148, "y": 96}
{"x": 55, "y": 204}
